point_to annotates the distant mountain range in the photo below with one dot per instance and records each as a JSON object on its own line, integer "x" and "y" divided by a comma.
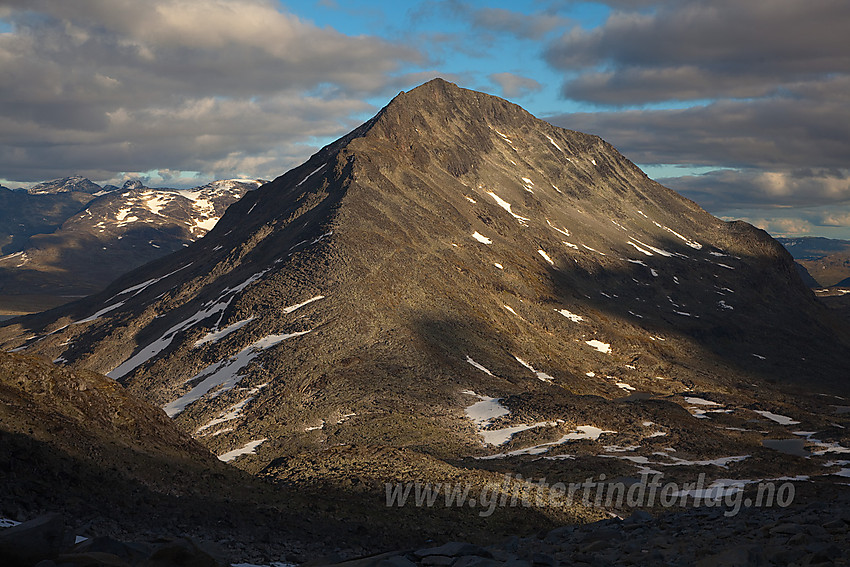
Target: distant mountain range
{"x": 825, "y": 260}
{"x": 70, "y": 237}
{"x": 73, "y": 184}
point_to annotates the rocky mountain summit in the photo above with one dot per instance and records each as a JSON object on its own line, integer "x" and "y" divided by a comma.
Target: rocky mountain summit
{"x": 457, "y": 292}
{"x": 73, "y": 184}
{"x": 88, "y": 235}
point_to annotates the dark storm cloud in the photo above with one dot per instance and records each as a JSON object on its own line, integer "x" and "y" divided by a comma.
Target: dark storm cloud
{"x": 775, "y": 73}
{"x": 526, "y": 26}
{"x": 108, "y": 86}
{"x": 738, "y": 189}
{"x": 787, "y": 150}
{"x": 697, "y": 49}
{"x": 804, "y": 126}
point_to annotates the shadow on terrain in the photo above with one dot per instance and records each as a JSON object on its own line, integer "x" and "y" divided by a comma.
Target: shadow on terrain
{"x": 86, "y": 265}
{"x": 775, "y": 315}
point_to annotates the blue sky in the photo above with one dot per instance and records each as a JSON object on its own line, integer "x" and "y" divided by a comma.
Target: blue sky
{"x": 741, "y": 106}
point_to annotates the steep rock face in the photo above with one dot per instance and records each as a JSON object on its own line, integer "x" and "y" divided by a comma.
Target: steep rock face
{"x": 456, "y": 244}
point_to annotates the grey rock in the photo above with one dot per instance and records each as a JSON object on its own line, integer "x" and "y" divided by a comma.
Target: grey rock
{"x": 437, "y": 560}
{"x": 740, "y": 556}
{"x": 92, "y": 559}
{"x": 511, "y": 544}
{"x": 329, "y": 559}
{"x": 784, "y": 555}
{"x": 474, "y": 561}
{"x": 501, "y": 555}
{"x": 396, "y": 561}
{"x": 834, "y": 526}
{"x": 453, "y": 549}
{"x": 638, "y": 517}
{"x": 543, "y": 560}
{"x": 824, "y": 552}
{"x": 602, "y": 535}
{"x": 595, "y": 545}
{"x": 30, "y": 542}
{"x": 559, "y": 534}
{"x": 789, "y": 529}
{"x": 181, "y": 552}
{"x": 130, "y": 552}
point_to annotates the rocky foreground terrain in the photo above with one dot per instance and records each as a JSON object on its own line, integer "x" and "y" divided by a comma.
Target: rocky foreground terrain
{"x": 708, "y": 536}
{"x": 808, "y": 535}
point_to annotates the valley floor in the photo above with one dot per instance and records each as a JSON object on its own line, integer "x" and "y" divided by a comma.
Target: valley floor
{"x": 15, "y": 305}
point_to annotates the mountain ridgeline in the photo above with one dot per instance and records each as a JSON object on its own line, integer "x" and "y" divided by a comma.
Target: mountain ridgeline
{"x": 454, "y": 249}
{"x": 70, "y": 237}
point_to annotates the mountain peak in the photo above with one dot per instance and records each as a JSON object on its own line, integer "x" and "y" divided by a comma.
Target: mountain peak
{"x": 456, "y": 251}
{"x": 440, "y": 97}
{"x": 131, "y": 184}
{"x": 72, "y": 184}
{"x": 438, "y": 89}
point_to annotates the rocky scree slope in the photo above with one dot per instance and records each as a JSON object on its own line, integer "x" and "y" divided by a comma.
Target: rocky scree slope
{"x": 80, "y": 456}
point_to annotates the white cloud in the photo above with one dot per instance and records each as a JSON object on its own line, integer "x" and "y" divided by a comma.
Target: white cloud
{"x": 104, "y": 86}
{"x": 835, "y": 219}
{"x": 781, "y": 226}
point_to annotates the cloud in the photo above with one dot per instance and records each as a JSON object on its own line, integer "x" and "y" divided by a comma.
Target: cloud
{"x": 828, "y": 221}
{"x": 803, "y": 127}
{"x": 524, "y": 26}
{"x": 696, "y": 50}
{"x": 221, "y": 137}
{"x": 838, "y": 219}
{"x": 779, "y": 226}
{"x": 789, "y": 151}
{"x": 532, "y": 26}
{"x": 514, "y": 86}
{"x": 632, "y": 86}
{"x": 105, "y": 86}
{"x": 728, "y": 189}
